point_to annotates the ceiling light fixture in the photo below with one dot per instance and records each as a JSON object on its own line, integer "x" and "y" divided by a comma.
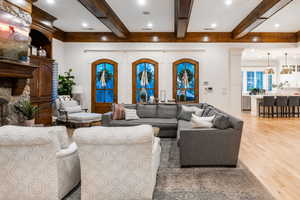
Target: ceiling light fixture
{"x": 50, "y": 1}
{"x": 255, "y": 39}
{"x": 104, "y": 38}
{"x": 285, "y": 68}
{"x": 277, "y": 25}
{"x": 149, "y": 25}
{"x": 213, "y": 25}
{"x": 141, "y": 2}
{"x": 84, "y": 24}
{"x": 155, "y": 39}
{"x": 205, "y": 39}
{"x": 269, "y": 69}
{"x": 228, "y": 2}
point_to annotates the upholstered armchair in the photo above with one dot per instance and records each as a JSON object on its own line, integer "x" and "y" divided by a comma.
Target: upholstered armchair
{"x": 70, "y": 112}
{"x": 118, "y": 162}
{"x": 37, "y": 163}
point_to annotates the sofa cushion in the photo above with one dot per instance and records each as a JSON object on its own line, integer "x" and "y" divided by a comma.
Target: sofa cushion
{"x": 131, "y": 114}
{"x": 118, "y": 112}
{"x": 167, "y": 111}
{"x": 221, "y": 121}
{"x": 185, "y": 112}
{"x": 157, "y": 122}
{"x": 146, "y": 111}
{"x": 209, "y": 111}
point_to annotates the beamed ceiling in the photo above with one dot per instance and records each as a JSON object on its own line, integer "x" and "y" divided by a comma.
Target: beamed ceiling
{"x": 176, "y": 20}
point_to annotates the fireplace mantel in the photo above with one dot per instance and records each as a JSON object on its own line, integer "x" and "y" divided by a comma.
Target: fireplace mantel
{"x": 14, "y": 75}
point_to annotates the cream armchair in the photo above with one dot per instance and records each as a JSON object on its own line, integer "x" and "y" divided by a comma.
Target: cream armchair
{"x": 118, "y": 162}
{"x": 71, "y": 113}
{"x": 37, "y": 163}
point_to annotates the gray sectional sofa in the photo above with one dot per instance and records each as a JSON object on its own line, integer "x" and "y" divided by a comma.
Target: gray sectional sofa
{"x": 198, "y": 146}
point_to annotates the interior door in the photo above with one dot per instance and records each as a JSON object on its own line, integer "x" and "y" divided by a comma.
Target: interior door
{"x": 104, "y": 85}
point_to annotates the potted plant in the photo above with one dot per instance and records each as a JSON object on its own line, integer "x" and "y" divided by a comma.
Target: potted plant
{"x": 65, "y": 83}
{"x": 25, "y": 108}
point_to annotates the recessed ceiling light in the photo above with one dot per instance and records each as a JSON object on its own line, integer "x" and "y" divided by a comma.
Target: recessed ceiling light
{"x": 149, "y": 25}
{"x": 255, "y": 39}
{"x": 205, "y": 39}
{"x": 50, "y": 1}
{"x": 277, "y": 25}
{"x": 141, "y": 2}
{"x": 155, "y": 39}
{"x": 228, "y": 2}
{"x": 104, "y": 38}
{"x": 84, "y": 24}
{"x": 213, "y": 25}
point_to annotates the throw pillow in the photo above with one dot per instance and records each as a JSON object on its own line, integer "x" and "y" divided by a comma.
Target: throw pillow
{"x": 187, "y": 111}
{"x": 73, "y": 109}
{"x": 130, "y": 114}
{"x": 65, "y": 104}
{"x": 118, "y": 112}
{"x": 221, "y": 121}
{"x": 201, "y": 122}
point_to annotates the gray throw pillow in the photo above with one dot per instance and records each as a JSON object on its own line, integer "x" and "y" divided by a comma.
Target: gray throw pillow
{"x": 185, "y": 115}
{"x": 207, "y": 111}
{"x": 221, "y": 121}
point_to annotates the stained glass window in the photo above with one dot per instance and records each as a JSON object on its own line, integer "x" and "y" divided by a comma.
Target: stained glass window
{"x": 105, "y": 83}
{"x": 144, "y": 81}
{"x": 186, "y": 80}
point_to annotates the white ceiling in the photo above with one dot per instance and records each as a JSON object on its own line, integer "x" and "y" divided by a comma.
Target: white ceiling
{"x": 71, "y": 14}
{"x": 207, "y": 12}
{"x": 131, "y": 13}
{"x": 275, "y": 53}
{"x": 287, "y": 18}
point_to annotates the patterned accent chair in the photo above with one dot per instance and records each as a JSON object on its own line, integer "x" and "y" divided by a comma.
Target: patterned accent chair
{"x": 70, "y": 112}
{"x": 118, "y": 162}
{"x": 37, "y": 163}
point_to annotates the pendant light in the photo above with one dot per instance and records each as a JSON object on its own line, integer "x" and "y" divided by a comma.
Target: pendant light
{"x": 285, "y": 68}
{"x": 269, "y": 69}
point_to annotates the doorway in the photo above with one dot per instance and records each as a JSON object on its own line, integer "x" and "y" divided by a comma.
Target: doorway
{"x": 104, "y": 85}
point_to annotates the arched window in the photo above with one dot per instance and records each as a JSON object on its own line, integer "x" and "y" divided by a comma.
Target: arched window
{"x": 104, "y": 85}
{"x": 144, "y": 80}
{"x": 186, "y": 80}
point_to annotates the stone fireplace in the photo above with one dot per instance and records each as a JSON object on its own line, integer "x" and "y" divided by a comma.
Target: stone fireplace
{"x": 14, "y": 86}
{"x": 7, "y": 102}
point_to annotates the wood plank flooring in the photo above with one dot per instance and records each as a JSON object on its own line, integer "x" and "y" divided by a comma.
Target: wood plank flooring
{"x": 270, "y": 148}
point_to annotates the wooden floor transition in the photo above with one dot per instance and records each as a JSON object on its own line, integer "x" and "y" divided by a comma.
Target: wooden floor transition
{"x": 271, "y": 150}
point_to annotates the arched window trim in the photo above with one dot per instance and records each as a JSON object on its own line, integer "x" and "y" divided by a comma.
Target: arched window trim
{"x": 93, "y": 82}
{"x": 134, "y": 68}
{"x": 194, "y": 62}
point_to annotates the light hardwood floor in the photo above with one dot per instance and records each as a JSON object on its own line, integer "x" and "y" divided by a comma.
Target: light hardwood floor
{"x": 270, "y": 148}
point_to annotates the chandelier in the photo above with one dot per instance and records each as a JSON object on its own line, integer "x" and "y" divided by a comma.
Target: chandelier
{"x": 285, "y": 68}
{"x": 269, "y": 69}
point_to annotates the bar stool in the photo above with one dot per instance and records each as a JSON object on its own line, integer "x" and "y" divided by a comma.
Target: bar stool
{"x": 293, "y": 106}
{"x": 282, "y": 103}
{"x": 268, "y": 104}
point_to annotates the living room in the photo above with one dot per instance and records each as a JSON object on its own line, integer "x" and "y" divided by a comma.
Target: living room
{"x": 146, "y": 99}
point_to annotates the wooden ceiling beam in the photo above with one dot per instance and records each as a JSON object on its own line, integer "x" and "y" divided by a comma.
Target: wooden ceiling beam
{"x": 183, "y": 9}
{"x": 191, "y": 37}
{"x": 101, "y": 10}
{"x": 265, "y": 10}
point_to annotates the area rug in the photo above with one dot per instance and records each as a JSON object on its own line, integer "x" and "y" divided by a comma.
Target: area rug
{"x": 175, "y": 183}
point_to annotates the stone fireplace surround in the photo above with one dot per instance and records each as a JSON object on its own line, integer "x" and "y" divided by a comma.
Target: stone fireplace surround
{"x": 9, "y": 116}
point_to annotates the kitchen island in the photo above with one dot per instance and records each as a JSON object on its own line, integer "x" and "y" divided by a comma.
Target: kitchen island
{"x": 256, "y": 99}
